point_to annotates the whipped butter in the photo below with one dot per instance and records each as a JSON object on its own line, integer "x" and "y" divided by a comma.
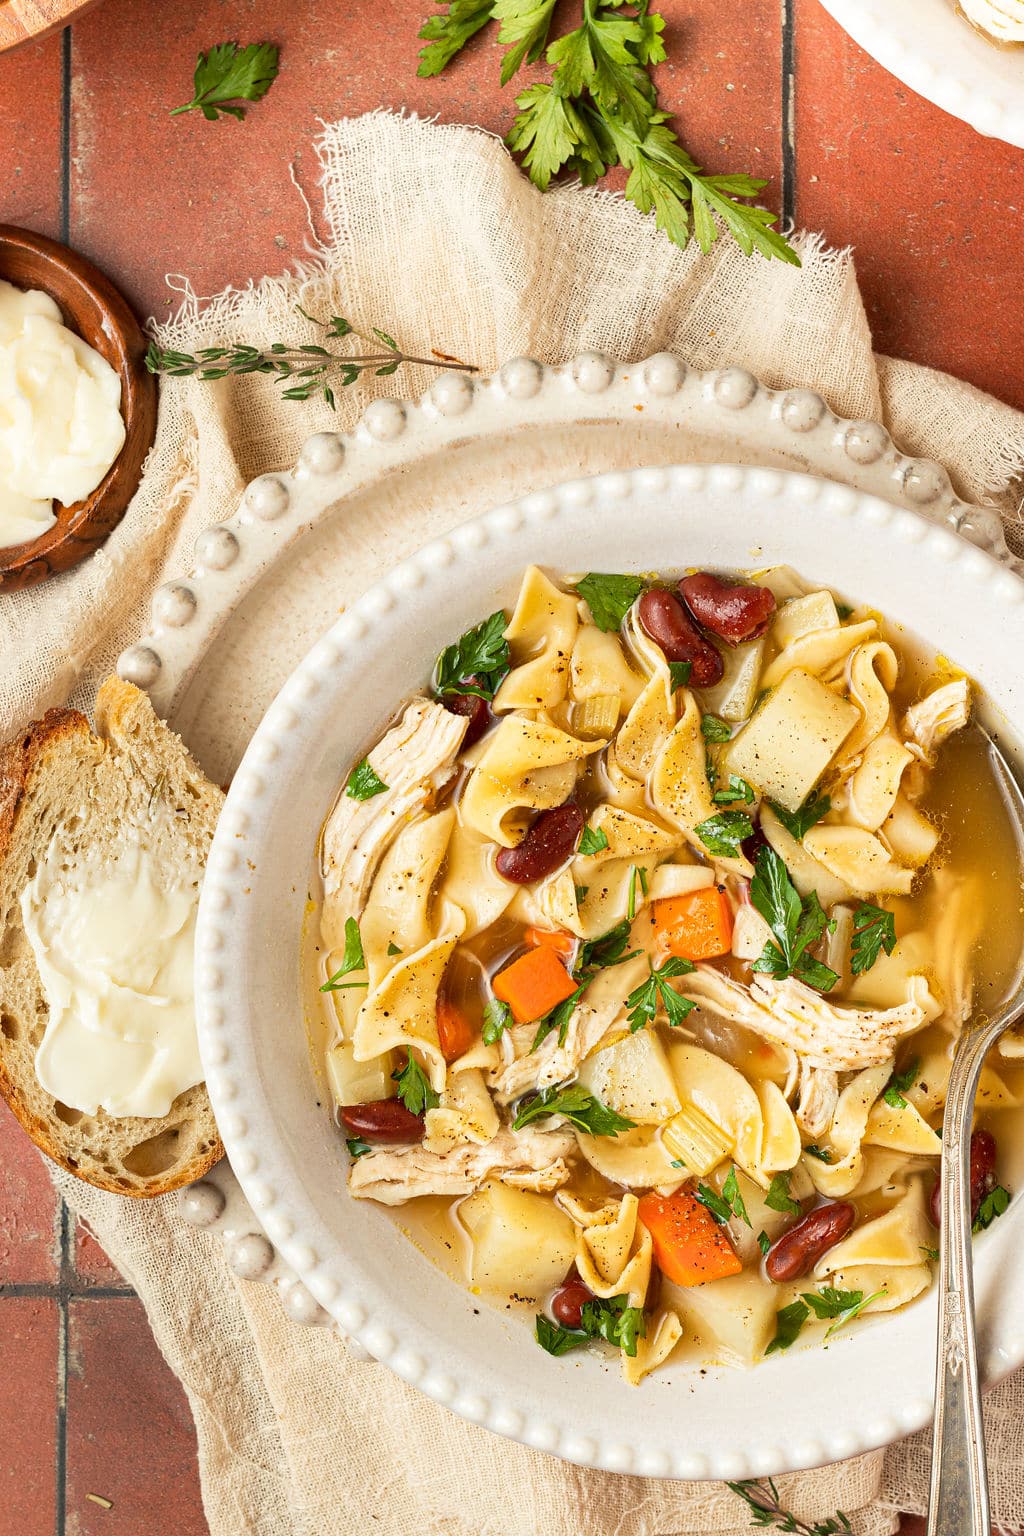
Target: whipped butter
{"x": 60, "y": 415}
{"x": 1001, "y": 20}
{"x": 114, "y": 954}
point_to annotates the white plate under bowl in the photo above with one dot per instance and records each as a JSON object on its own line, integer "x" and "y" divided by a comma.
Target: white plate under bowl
{"x": 939, "y": 55}
{"x": 799, "y": 1410}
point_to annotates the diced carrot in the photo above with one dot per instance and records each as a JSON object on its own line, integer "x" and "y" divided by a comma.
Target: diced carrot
{"x": 455, "y": 1034}
{"x": 689, "y": 1245}
{"x": 533, "y": 984}
{"x": 553, "y": 938}
{"x": 696, "y": 926}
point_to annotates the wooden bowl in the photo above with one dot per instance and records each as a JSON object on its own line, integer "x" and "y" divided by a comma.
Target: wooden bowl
{"x": 22, "y": 20}
{"x": 93, "y": 307}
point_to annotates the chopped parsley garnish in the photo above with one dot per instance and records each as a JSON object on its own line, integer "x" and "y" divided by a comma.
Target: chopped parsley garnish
{"x": 738, "y": 789}
{"x": 578, "y": 1106}
{"x": 818, "y": 1152}
{"x": 609, "y": 598}
{"x": 595, "y": 955}
{"x": 363, "y": 783}
{"x": 352, "y": 959}
{"x": 478, "y": 662}
{"x": 779, "y": 1198}
{"x": 592, "y": 842}
{"x": 796, "y": 924}
{"x": 874, "y": 929}
{"x": 393, "y": 949}
{"x": 899, "y": 1083}
{"x": 636, "y": 875}
{"x": 723, "y": 834}
{"x": 357, "y": 1147}
{"x": 713, "y": 729}
{"x": 642, "y": 1002}
{"x": 612, "y": 1319}
{"x": 497, "y": 1018}
{"x": 580, "y": 893}
{"x": 799, "y": 822}
{"x": 993, "y": 1205}
{"x": 788, "y": 1324}
{"x": 414, "y": 1088}
{"x": 844, "y": 611}
{"x": 679, "y": 673}
{"x": 930, "y": 1253}
{"x": 764, "y": 1242}
{"x": 558, "y": 1018}
{"x": 729, "y": 1203}
{"x": 841, "y": 1306}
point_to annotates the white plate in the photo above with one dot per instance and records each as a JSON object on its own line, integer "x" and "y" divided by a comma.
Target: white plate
{"x": 806, "y": 1408}
{"x": 939, "y": 55}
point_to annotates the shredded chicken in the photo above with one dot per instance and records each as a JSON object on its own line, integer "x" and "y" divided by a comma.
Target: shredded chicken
{"x": 819, "y": 1095}
{"x": 393, "y": 1175}
{"x": 414, "y": 759}
{"x": 936, "y": 717}
{"x": 837, "y": 1039}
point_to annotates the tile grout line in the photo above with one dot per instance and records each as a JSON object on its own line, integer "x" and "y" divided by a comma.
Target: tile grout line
{"x": 67, "y": 1241}
{"x": 73, "y": 1292}
{"x": 65, "y": 135}
{"x": 788, "y": 178}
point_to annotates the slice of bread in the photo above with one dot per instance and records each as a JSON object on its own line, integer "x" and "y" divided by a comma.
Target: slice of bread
{"x": 91, "y": 796}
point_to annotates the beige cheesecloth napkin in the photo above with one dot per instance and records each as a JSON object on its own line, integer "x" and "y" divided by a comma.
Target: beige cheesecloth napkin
{"x": 432, "y": 233}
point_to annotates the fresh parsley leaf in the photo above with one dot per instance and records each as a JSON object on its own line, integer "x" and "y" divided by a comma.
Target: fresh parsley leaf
{"x": 723, "y": 834}
{"x": 557, "y": 1340}
{"x": 580, "y": 893}
{"x": 840, "y": 1305}
{"x": 478, "y": 662}
{"x": 228, "y": 74}
{"x": 597, "y": 58}
{"x": 616, "y": 1321}
{"x": 497, "y": 1018}
{"x": 393, "y": 949}
{"x": 716, "y": 1204}
{"x": 578, "y": 1106}
{"x": 788, "y": 1323}
{"x": 799, "y": 822}
{"x": 352, "y": 958}
{"x": 713, "y": 729}
{"x": 993, "y": 1205}
{"x": 592, "y": 842}
{"x": 363, "y": 783}
{"x": 795, "y": 923}
{"x": 874, "y": 929}
{"x": 549, "y": 132}
{"x": 637, "y": 876}
{"x": 731, "y": 1191}
{"x": 679, "y": 673}
{"x": 357, "y": 1147}
{"x": 764, "y": 1242}
{"x": 609, "y": 598}
{"x": 898, "y": 1084}
{"x": 710, "y": 771}
{"x": 446, "y": 35}
{"x": 844, "y": 611}
{"x": 729, "y": 1203}
{"x": 607, "y": 950}
{"x": 930, "y": 1253}
{"x": 779, "y": 1198}
{"x": 414, "y": 1088}
{"x": 642, "y": 1002}
{"x": 819, "y": 1153}
{"x": 738, "y": 789}
{"x": 558, "y": 1018}
{"x": 525, "y": 25}
{"x": 642, "y": 875}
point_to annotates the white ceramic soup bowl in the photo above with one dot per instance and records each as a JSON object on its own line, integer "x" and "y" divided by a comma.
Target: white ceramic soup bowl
{"x": 873, "y": 1383}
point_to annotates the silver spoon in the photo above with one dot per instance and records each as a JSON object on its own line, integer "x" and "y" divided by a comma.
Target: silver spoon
{"x": 958, "y": 1503}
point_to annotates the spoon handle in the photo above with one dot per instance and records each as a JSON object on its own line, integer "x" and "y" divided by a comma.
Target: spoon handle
{"x": 958, "y": 1503}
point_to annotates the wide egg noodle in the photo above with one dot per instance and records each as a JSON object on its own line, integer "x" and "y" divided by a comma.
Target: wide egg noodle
{"x": 466, "y": 1113}
{"x": 529, "y": 765}
{"x": 760, "y": 1132}
{"x": 875, "y": 784}
{"x": 858, "y": 859}
{"x": 679, "y": 787}
{"x": 543, "y": 630}
{"x": 872, "y": 671}
{"x": 653, "y": 715}
{"x": 470, "y": 881}
{"x": 817, "y": 651}
{"x": 805, "y": 872}
{"x": 402, "y": 1011}
{"x": 398, "y": 910}
{"x": 664, "y": 1330}
{"x": 614, "y": 1252}
{"x": 633, "y": 843}
{"x": 891, "y": 1241}
{"x": 844, "y": 1142}
{"x": 599, "y": 669}
{"x": 636, "y": 1159}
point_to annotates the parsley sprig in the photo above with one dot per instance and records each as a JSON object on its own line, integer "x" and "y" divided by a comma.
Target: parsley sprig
{"x": 993, "y": 1205}
{"x": 414, "y": 1088}
{"x": 826, "y": 1303}
{"x": 874, "y": 929}
{"x": 593, "y": 956}
{"x": 578, "y": 1106}
{"x": 723, "y": 834}
{"x": 229, "y": 74}
{"x": 478, "y": 662}
{"x": 796, "y": 923}
{"x": 352, "y": 959}
{"x": 306, "y": 370}
{"x": 612, "y": 1319}
{"x": 729, "y": 1203}
{"x": 497, "y": 1018}
{"x": 600, "y": 109}
{"x": 643, "y": 1001}
{"x": 799, "y": 822}
{"x": 609, "y": 597}
{"x": 363, "y": 782}
{"x": 765, "y": 1504}
{"x": 899, "y": 1084}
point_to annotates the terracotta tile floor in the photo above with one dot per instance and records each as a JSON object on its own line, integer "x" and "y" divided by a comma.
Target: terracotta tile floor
{"x": 88, "y": 153}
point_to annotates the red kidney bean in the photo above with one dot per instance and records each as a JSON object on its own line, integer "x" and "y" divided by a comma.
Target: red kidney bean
{"x": 730, "y": 609}
{"x": 476, "y": 710}
{"x": 751, "y": 846}
{"x": 797, "y": 1251}
{"x": 669, "y": 625}
{"x": 983, "y": 1175}
{"x": 387, "y": 1120}
{"x": 548, "y": 842}
{"x": 569, "y": 1300}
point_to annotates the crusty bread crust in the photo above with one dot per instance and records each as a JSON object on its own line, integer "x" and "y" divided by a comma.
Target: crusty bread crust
{"x": 109, "y": 781}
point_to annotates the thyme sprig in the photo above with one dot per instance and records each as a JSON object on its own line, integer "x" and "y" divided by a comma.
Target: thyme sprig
{"x": 306, "y": 370}
{"x": 762, "y": 1499}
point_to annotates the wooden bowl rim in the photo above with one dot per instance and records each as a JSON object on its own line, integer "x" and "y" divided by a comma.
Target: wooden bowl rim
{"x": 15, "y": 30}
{"x": 81, "y": 528}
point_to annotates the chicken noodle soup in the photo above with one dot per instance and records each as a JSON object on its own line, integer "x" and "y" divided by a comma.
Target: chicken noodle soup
{"x": 646, "y": 933}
